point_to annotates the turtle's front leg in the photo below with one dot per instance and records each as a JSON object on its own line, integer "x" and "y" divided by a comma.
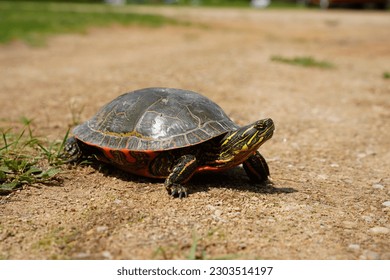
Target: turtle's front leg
{"x": 256, "y": 168}
{"x": 182, "y": 171}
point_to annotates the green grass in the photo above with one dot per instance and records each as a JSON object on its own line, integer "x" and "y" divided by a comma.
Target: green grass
{"x": 386, "y": 75}
{"x": 57, "y": 237}
{"x": 194, "y": 246}
{"x": 33, "y": 22}
{"x": 27, "y": 160}
{"x": 197, "y": 249}
{"x": 304, "y": 61}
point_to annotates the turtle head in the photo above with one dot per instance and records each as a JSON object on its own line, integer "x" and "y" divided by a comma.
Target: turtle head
{"x": 238, "y": 145}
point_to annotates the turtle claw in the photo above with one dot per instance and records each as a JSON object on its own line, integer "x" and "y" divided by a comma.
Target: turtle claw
{"x": 177, "y": 191}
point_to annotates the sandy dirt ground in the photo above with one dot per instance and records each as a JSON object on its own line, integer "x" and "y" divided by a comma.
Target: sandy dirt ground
{"x": 329, "y": 157}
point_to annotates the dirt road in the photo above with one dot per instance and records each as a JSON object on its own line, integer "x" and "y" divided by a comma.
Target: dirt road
{"x": 329, "y": 157}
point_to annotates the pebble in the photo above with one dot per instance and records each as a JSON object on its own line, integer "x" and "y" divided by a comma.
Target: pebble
{"x": 210, "y": 207}
{"x": 217, "y": 216}
{"x": 368, "y": 219}
{"x": 101, "y": 228}
{"x": 370, "y": 255}
{"x": 81, "y": 256}
{"x": 379, "y": 230}
{"x": 354, "y": 247}
{"x": 386, "y": 203}
{"x": 349, "y": 225}
{"x": 322, "y": 177}
{"x": 271, "y": 220}
{"x": 218, "y": 213}
{"x": 378, "y": 186}
{"x": 361, "y": 155}
{"x": 107, "y": 255}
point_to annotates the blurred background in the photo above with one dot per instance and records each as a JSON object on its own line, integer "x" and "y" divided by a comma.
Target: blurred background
{"x": 319, "y": 68}
{"x": 323, "y": 4}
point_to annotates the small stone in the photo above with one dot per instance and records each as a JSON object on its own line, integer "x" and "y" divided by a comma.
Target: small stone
{"x": 101, "y": 228}
{"x": 81, "y": 256}
{"x": 210, "y": 207}
{"x": 334, "y": 165}
{"x": 349, "y": 225}
{"x": 117, "y": 201}
{"x": 370, "y": 255}
{"x": 378, "y": 186}
{"x": 386, "y": 203}
{"x": 107, "y": 255}
{"x": 354, "y": 247}
{"x": 322, "y": 177}
{"x": 218, "y": 213}
{"x": 379, "y": 230}
{"x": 347, "y": 180}
{"x": 361, "y": 155}
{"x": 217, "y": 216}
{"x": 368, "y": 219}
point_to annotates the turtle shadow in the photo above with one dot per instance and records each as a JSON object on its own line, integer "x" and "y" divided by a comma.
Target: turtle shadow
{"x": 233, "y": 179}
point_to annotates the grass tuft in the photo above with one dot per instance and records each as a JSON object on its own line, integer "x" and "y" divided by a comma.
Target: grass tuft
{"x": 304, "y": 61}
{"x": 27, "y": 160}
{"x": 386, "y": 75}
{"x": 33, "y": 22}
{"x": 194, "y": 246}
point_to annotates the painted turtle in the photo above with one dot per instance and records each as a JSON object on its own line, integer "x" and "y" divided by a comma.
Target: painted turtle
{"x": 170, "y": 133}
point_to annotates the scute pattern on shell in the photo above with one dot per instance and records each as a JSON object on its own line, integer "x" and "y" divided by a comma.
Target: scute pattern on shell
{"x": 155, "y": 119}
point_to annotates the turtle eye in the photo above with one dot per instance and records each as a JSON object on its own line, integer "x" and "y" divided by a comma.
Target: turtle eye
{"x": 264, "y": 124}
{"x": 260, "y": 125}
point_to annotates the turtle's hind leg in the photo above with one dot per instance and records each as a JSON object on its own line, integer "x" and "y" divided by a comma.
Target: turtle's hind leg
{"x": 183, "y": 170}
{"x": 72, "y": 151}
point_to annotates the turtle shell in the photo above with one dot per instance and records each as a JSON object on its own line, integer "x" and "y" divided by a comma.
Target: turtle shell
{"x": 155, "y": 119}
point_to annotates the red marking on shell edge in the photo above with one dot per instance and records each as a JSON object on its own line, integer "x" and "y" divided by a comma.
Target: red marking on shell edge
{"x": 129, "y": 157}
{"x": 110, "y": 159}
{"x": 107, "y": 152}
